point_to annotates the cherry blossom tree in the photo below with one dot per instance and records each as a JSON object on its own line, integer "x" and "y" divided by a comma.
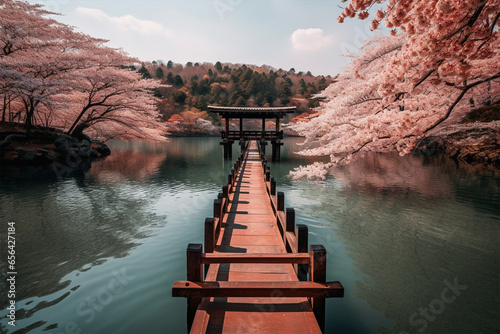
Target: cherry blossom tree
{"x": 111, "y": 97}
{"x": 70, "y": 79}
{"x": 34, "y": 51}
{"x": 441, "y": 59}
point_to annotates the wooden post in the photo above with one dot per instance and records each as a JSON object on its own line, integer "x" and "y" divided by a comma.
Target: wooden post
{"x": 268, "y": 176}
{"x": 209, "y": 235}
{"x": 277, "y": 125}
{"x": 302, "y": 234}
{"x": 273, "y": 186}
{"x": 209, "y": 239}
{"x": 263, "y": 144}
{"x": 276, "y": 155}
{"x": 226, "y": 123}
{"x": 194, "y": 274}
{"x": 225, "y": 191}
{"x": 263, "y": 128}
{"x": 227, "y": 148}
{"x": 241, "y": 128}
{"x": 280, "y": 206}
{"x": 290, "y": 219}
{"x": 217, "y": 208}
{"x": 317, "y": 273}
{"x": 290, "y": 228}
{"x": 230, "y": 149}
{"x": 281, "y": 201}
{"x": 230, "y": 179}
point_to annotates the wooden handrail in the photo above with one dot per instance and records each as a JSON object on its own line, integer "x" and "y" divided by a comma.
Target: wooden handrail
{"x": 297, "y": 258}
{"x": 309, "y": 265}
{"x": 252, "y": 134}
{"x": 190, "y": 289}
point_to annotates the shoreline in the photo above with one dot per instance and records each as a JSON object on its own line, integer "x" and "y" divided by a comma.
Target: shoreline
{"x": 471, "y": 146}
{"x": 44, "y": 148}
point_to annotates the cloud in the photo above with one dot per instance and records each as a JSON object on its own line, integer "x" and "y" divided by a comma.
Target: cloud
{"x": 127, "y": 22}
{"x": 311, "y": 39}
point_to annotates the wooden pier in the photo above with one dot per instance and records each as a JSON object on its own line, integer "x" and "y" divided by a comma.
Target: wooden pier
{"x": 256, "y": 274}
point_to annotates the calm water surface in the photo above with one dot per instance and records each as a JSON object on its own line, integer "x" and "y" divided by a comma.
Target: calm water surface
{"x": 414, "y": 241}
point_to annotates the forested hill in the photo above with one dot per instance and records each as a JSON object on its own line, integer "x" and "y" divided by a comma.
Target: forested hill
{"x": 194, "y": 86}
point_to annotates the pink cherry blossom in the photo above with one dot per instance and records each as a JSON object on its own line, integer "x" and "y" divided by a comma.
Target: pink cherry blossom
{"x": 440, "y": 60}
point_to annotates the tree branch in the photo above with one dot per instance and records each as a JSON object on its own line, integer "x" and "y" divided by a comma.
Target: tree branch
{"x": 457, "y": 100}
{"x": 491, "y": 31}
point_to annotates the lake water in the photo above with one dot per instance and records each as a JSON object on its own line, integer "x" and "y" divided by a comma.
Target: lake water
{"x": 414, "y": 240}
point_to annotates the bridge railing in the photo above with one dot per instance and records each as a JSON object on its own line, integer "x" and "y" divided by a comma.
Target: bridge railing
{"x": 221, "y": 204}
{"x": 250, "y": 134}
{"x": 309, "y": 265}
{"x": 295, "y": 237}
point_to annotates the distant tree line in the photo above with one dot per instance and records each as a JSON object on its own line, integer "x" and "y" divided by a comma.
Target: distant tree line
{"x": 194, "y": 86}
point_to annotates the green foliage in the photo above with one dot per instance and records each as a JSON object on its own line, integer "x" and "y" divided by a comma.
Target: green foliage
{"x": 159, "y": 73}
{"x": 178, "y": 82}
{"x": 145, "y": 73}
{"x": 179, "y": 97}
{"x": 199, "y": 85}
{"x": 170, "y": 78}
{"x": 218, "y": 67}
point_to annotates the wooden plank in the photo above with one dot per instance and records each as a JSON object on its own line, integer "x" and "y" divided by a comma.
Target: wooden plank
{"x": 238, "y": 316}
{"x": 248, "y": 232}
{"x": 255, "y": 258}
{"x": 190, "y": 289}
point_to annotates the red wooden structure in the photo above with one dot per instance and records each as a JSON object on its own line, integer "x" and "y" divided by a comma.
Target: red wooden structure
{"x": 256, "y": 274}
{"x": 242, "y": 113}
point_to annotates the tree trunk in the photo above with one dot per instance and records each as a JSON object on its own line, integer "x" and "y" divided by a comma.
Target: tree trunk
{"x": 30, "y": 112}
{"x": 72, "y": 128}
{"x": 4, "y": 111}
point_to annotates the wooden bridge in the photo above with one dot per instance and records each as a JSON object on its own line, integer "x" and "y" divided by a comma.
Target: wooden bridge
{"x": 259, "y": 275}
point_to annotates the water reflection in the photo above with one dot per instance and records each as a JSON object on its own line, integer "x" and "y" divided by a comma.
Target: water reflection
{"x": 395, "y": 229}
{"x": 377, "y": 174}
{"x": 127, "y": 165}
{"x": 68, "y": 226}
{"x": 410, "y": 227}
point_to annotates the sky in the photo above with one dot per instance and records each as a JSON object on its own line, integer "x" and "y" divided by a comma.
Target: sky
{"x": 299, "y": 34}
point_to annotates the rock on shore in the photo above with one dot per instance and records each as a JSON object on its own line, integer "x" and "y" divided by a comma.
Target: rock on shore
{"x": 473, "y": 144}
{"x": 66, "y": 150}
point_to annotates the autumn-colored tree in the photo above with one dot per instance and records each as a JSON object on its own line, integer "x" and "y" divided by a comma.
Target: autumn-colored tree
{"x": 410, "y": 85}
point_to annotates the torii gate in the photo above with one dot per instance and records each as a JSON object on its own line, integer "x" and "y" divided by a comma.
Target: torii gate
{"x": 241, "y": 113}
